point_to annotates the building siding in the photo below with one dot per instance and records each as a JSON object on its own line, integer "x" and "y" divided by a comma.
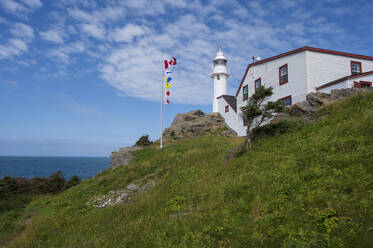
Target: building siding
{"x": 230, "y": 117}
{"x": 328, "y": 67}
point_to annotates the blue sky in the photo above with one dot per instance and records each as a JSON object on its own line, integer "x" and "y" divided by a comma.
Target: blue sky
{"x": 82, "y": 77}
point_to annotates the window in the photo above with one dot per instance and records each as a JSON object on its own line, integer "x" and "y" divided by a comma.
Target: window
{"x": 220, "y": 62}
{"x": 218, "y": 77}
{"x": 258, "y": 83}
{"x": 286, "y": 101}
{"x": 283, "y": 74}
{"x": 226, "y": 109}
{"x": 362, "y": 84}
{"x": 245, "y": 92}
{"x": 355, "y": 67}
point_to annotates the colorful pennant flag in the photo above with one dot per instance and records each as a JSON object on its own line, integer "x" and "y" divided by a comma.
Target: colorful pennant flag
{"x": 168, "y": 78}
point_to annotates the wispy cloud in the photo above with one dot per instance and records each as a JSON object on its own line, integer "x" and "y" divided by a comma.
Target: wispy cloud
{"x": 17, "y": 8}
{"x": 71, "y": 104}
{"x": 10, "y": 83}
{"x": 53, "y": 35}
{"x": 12, "y": 6}
{"x": 94, "y": 30}
{"x": 22, "y": 31}
{"x": 33, "y": 3}
{"x": 14, "y": 47}
{"x": 127, "y": 33}
{"x": 126, "y": 39}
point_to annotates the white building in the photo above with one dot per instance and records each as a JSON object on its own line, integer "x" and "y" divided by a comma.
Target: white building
{"x": 292, "y": 75}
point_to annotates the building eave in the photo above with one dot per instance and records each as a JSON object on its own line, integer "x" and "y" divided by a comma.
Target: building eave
{"x": 224, "y": 97}
{"x": 344, "y": 79}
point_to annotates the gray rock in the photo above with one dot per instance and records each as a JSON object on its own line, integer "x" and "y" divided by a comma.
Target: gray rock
{"x": 307, "y": 110}
{"x": 229, "y": 155}
{"x": 133, "y": 187}
{"x": 116, "y": 197}
{"x": 280, "y": 117}
{"x": 123, "y": 157}
{"x": 196, "y": 123}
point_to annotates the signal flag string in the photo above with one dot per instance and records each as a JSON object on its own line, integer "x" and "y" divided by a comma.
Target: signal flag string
{"x": 166, "y": 80}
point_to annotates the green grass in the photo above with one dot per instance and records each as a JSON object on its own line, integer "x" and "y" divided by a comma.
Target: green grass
{"x": 12, "y": 215}
{"x": 309, "y": 187}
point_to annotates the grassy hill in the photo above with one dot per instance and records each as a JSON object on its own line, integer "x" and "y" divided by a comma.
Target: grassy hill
{"x": 309, "y": 187}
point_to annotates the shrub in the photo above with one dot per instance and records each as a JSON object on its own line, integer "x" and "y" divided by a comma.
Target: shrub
{"x": 56, "y": 182}
{"x": 143, "y": 141}
{"x": 74, "y": 180}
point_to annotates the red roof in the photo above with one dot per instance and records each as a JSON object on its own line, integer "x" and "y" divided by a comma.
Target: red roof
{"x": 306, "y": 48}
{"x": 344, "y": 79}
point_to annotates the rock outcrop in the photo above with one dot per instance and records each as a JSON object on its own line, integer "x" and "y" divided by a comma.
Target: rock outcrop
{"x": 123, "y": 157}
{"x": 116, "y": 197}
{"x": 307, "y": 110}
{"x": 196, "y": 123}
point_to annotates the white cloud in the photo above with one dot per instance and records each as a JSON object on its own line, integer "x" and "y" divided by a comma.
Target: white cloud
{"x": 94, "y": 30}
{"x": 18, "y": 44}
{"x": 14, "y": 47}
{"x": 24, "y": 31}
{"x": 127, "y": 33}
{"x": 80, "y": 15}
{"x": 33, "y": 3}
{"x": 98, "y": 16}
{"x": 53, "y": 36}
{"x": 63, "y": 53}
{"x": 12, "y": 6}
{"x": 16, "y": 7}
{"x": 128, "y": 39}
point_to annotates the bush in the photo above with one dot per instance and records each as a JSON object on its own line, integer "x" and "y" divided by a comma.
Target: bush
{"x": 56, "y": 182}
{"x": 143, "y": 141}
{"x": 74, "y": 180}
{"x": 10, "y": 186}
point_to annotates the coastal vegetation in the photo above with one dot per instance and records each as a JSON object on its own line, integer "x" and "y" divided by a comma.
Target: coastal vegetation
{"x": 300, "y": 185}
{"x": 16, "y": 193}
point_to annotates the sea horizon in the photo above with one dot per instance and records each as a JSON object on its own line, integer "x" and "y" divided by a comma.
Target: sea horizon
{"x": 43, "y": 166}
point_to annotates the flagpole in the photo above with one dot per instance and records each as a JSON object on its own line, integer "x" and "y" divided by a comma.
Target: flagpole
{"x": 162, "y": 76}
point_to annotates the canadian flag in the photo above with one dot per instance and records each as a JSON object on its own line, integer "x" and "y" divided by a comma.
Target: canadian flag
{"x": 171, "y": 62}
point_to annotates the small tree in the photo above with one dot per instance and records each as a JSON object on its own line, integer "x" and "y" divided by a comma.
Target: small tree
{"x": 73, "y": 181}
{"x": 257, "y": 111}
{"x": 143, "y": 141}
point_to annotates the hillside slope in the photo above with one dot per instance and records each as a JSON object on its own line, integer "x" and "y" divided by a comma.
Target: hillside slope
{"x": 309, "y": 187}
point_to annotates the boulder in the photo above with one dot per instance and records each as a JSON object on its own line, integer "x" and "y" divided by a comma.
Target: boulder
{"x": 195, "y": 123}
{"x": 307, "y": 109}
{"x": 122, "y": 196}
{"x": 133, "y": 187}
{"x": 123, "y": 157}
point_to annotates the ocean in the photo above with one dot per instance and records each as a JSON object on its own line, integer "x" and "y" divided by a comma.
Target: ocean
{"x": 84, "y": 167}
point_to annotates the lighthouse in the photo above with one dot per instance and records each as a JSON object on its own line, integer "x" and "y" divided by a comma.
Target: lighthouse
{"x": 220, "y": 76}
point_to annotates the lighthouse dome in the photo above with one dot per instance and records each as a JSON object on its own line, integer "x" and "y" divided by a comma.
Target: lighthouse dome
{"x": 220, "y": 55}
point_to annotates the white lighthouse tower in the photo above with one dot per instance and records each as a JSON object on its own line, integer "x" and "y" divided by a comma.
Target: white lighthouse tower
{"x": 220, "y": 76}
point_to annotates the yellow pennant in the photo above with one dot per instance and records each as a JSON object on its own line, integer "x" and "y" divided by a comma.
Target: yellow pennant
{"x": 168, "y": 85}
